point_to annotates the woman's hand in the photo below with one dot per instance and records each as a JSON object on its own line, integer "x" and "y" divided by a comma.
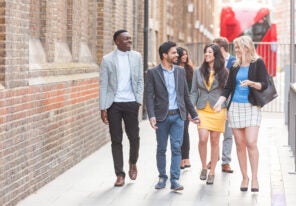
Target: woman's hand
{"x": 246, "y": 83}
{"x": 218, "y": 105}
{"x": 250, "y": 83}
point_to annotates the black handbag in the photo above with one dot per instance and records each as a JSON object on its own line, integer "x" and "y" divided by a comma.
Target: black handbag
{"x": 267, "y": 95}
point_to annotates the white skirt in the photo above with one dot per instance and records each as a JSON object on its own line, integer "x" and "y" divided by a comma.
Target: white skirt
{"x": 242, "y": 115}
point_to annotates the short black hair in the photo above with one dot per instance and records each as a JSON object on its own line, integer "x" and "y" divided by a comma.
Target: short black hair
{"x": 165, "y": 47}
{"x": 117, "y": 33}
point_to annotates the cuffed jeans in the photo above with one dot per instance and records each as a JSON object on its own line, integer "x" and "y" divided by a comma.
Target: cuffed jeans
{"x": 128, "y": 112}
{"x": 171, "y": 127}
{"x": 227, "y": 145}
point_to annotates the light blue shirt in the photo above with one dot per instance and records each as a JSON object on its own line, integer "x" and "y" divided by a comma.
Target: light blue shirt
{"x": 241, "y": 93}
{"x": 171, "y": 87}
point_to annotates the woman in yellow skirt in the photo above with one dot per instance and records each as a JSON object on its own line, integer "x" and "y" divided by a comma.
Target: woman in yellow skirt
{"x": 207, "y": 84}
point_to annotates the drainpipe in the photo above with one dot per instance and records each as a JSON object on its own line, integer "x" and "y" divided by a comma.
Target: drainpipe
{"x": 292, "y": 49}
{"x": 146, "y": 30}
{"x": 136, "y": 27}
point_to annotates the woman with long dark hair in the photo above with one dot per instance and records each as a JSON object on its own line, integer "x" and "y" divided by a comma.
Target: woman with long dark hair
{"x": 207, "y": 84}
{"x": 184, "y": 61}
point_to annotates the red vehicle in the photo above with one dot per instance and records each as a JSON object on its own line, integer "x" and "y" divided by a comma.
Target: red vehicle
{"x": 251, "y": 19}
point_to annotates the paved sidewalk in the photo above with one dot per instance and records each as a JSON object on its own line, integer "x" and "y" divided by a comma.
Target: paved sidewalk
{"x": 90, "y": 183}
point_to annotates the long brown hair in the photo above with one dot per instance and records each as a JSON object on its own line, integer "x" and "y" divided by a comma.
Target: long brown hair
{"x": 219, "y": 67}
{"x": 188, "y": 68}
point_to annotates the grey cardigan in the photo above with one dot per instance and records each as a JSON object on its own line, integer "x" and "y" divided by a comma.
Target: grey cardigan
{"x": 108, "y": 77}
{"x": 200, "y": 94}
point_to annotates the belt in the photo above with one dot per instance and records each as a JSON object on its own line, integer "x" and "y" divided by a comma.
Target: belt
{"x": 173, "y": 112}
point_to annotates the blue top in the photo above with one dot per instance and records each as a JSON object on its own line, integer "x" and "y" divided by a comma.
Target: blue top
{"x": 241, "y": 93}
{"x": 171, "y": 87}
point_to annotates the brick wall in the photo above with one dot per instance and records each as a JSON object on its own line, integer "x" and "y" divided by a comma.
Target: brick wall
{"x": 49, "y": 56}
{"x": 46, "y": 129}
{"x": 16, "y": 43}
{"x": 120, "y": 14}
{"x": 2, "y": 42}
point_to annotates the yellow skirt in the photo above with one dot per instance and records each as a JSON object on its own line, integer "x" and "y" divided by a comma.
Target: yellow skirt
{"x": 211, "y": 120}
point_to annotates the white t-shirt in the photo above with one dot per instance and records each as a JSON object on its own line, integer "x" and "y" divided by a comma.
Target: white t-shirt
{"x": 124, "y": 91}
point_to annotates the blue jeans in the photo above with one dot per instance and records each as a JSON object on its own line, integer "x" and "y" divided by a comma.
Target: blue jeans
{"x": 227, "y": 145}
{"x": 172, "y": 126}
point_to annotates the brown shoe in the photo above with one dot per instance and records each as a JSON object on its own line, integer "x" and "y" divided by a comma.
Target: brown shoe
{"x": 133, "y": 171}
{"x": 119, "y": 181}
{"x": 226, "y": 168}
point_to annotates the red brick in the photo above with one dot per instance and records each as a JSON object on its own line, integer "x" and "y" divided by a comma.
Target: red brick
{"x": 40, "y": 124}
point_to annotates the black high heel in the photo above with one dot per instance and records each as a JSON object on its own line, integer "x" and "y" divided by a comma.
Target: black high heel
{"x": 244, "y": 189}
{"x": 255, "y": 189}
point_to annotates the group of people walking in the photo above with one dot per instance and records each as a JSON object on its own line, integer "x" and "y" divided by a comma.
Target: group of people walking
{"x": 217, "y": 97}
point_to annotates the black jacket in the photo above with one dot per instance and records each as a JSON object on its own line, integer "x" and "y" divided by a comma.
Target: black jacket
{"x": 257, "y": 73}
{"x": 157, "y": 97}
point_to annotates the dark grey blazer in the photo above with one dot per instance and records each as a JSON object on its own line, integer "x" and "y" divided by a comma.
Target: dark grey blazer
{"x": 157, "y": 98}
{"x": 200, "y": 94}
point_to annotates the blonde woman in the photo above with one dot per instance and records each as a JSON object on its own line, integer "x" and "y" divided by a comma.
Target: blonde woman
{"x": 244, "y": 115}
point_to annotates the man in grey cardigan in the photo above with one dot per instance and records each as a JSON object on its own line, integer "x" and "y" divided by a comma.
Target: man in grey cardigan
{"x": 121, "y": 94}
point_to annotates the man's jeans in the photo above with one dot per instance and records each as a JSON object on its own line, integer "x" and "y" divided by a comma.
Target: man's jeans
{"x": 172, "y": 126}
{"x": 227, "y": 145}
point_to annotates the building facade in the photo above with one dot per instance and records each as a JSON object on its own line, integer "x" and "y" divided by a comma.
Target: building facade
{"x": 185, "y": 22}
{"x": 282, "y": 16}
{"x": 49, "y": 114}
{"x": 49, "y": 69}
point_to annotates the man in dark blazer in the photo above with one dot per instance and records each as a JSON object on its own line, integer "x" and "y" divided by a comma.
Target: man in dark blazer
{"x": 167, "y": 100}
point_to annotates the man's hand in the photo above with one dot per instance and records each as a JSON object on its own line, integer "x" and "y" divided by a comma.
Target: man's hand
{"x": 153, "y": 123}
{"x": 196, "y": 120}
{"x": 104, "y": 116}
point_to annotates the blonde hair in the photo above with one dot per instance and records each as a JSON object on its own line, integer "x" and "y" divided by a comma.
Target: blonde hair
{"x": 249, "y": 55}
